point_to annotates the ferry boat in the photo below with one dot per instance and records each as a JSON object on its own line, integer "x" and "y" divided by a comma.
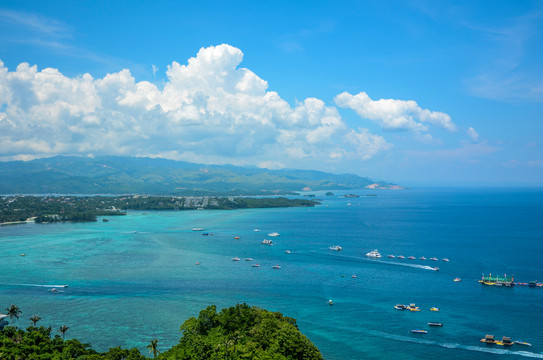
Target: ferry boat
{"x": 335, "y": 248}
{"x": 374, "y": 254}
{"x": 497, "y": 280}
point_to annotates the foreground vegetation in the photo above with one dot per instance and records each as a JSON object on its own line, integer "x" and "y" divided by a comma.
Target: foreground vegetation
{"x": 86, "y": 208}
{"x": 238, "y": 332}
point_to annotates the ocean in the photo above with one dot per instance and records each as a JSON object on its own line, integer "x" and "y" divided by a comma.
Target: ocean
{"x": 135, "y": 278}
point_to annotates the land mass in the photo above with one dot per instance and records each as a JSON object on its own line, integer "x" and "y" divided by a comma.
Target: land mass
{"x": 46, "y": 209}
{"x": 138, "y": 175}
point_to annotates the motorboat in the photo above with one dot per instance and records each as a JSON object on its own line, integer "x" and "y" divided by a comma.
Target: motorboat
{"x": 435, "y": 268}
{"x": 267, "y": 242}
{"x": 273, "y": 234}
{"x": 235, "y": 259}
{"x": 457, "y": 279}
{"x": 287, "y": 251}
{"x": 401, "y": 257}
{"x": 276, "y": 267}
{"x": 400, "y": 307}
{"x": 330, "y": 302}
{"x": 335, "y": 248}
{"x": 236, "y": 237}
{"x": 435, "y": 324}
{"x": 255, "y": 265}
{"x": 422, "y": 258}
{"x": 419, "y": 331}
{"x": 411, "y": 257}
{"x": 197, "y": 229}
{"x": 434, "y": 258}
{"x": 434, "y": 309}
{"x": 374, "y": 254}
{"x": 391, "y": 256}
{"x": 413, "y": 307}
{"x": 256, "y": 230}
{"x": 353, "y": 276}
{"x": 445, "y": 259}
{"x": 249, "y": 259}
{"x": 197, "y": 263}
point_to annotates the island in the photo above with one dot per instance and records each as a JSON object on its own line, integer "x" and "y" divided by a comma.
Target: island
{"x": 15, "y": 209}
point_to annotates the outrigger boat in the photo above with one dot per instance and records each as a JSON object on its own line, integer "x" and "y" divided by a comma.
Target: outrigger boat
{"x": 435, "y": 324}
{"x": 488, "y": 339}
{"x": 506, "y": 341}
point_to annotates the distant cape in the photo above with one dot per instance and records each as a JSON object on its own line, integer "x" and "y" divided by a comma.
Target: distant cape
{"x": 140, "y": 175}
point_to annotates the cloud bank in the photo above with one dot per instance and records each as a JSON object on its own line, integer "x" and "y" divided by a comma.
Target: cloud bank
{"x": 209, "y": 110}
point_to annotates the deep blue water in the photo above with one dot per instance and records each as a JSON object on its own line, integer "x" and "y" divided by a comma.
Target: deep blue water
{"x": 134, "y": 278}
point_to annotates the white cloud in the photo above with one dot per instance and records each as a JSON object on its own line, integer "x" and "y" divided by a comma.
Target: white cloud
{"x": 393, "y": 114}
{"x": 209, "y": 110}
{"x": 474, "y": 135}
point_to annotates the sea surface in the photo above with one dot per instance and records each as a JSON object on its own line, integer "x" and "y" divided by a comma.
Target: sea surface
{"x": 135, "y": 278}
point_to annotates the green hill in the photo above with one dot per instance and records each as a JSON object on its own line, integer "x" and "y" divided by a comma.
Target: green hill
{"x": 121, "y": 175}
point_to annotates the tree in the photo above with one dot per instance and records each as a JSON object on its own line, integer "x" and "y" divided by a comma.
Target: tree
{"x": 13, "y": 312}
{"x": 153, "y": 347}
{"x": 63, "y": 330}
{"x": 35, "y": 319}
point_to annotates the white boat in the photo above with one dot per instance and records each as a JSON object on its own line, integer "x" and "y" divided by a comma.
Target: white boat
{"x": 411, "y": 257}
{"x": 276, "y": 267}
{"x": 256, "y": 230}
{"x": 235, "y": 259}
{"x": 330, "y": 302}
{"x": 273, "y": 234}
{"x": 249, "y": 259}
{"x": 335, "y": 248}
{"x": 197, "y": 229}
{"x": 422, "y": 258}
{"x": 433, "y": 258}
{"x": 267, "y": 242}
{"x": 374, "y": 253}
{"x": 287, "y": 251}
{"x": 255, "y": 265}
{"x": 445, "y": 259}
{"x": 401, "y": 257}
{"x": 391, "y": 256}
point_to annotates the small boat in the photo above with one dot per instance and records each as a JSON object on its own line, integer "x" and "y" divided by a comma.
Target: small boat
{"x": 413, "y": 307}
{"x": 532, "y": 284}
{"x": 330, "y": 302}
{"x": 401, "y": 257}
{"x": 205, "y": 234}
{"x": 235, "y": 259}
{"x": 522, "y": 343}
{"x": 197, "y": 263}
{"x": 434, "y": 309}
{"x": 411, "y": 257}
{"x": 457, "y": 279}
{"x": 488, "y": 339}
{"x": 419, "y": 331}
{"x": 353, "y": 276}
{"x": 273, "y": 234}
{"x": 267, "y": 242}
{"x": 249, "y": 259}
{"x": 434, "y": 258}
{"x": 374, "y": 254}
{"x": 435, "y": 324}
{"x": 445, "y": 259}
{"x": 23, "y": 254}
{"x": 236, "y": 237}
{"x": 506, "y": 341}
{"x": 435, "y": 268}
{"x": 391, "y": 256}
{"x": 53, "y": 290}
{"x": 422, "y": 258}
{"x": 255, "y": 265}
{"x": 400, "y": 307}
{"x": 197, "y": 229}
{"x": 256, "y": 230}
{"x": 287, "y": 251}
{"x": 276, "y": 267}
{"x": 335, "y": 248}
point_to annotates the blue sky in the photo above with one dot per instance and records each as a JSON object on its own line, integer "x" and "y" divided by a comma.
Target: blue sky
{"x": 421, "y": 92}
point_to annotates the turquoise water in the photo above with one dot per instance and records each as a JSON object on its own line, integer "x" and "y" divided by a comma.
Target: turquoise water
{"x": 134, "y": 278}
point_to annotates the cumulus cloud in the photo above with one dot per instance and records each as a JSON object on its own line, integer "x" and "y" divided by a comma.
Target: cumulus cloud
{"x": 474, "y": 135}
{"x": 393, "y": 114}
{"x": 209, "y": 110}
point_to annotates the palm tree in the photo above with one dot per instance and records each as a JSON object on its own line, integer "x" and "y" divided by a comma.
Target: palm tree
{"x": 13, "y": 312}
{"x": 35, "y": 319}
{"x": 153, "y": 347}
{"x": 63, "y": 330}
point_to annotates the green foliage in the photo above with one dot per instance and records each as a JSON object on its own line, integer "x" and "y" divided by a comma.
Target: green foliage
{"x": 241, "y": 332}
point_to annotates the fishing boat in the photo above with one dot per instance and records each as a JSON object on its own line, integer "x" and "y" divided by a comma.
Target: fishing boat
{"x": 488, "y": 339}
{"x": 506, "y": 341}
{"x": 419, "y": 331}
{"x": 435, "y": 324}
{"x": 374, "y": 254}
{"x": 335, "y": 248}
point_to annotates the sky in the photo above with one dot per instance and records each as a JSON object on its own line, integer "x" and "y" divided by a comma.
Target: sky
{"x": 410, "y": 92}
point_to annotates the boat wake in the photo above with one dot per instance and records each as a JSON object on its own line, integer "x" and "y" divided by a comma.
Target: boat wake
{"x": 485, "y": 349}
{"x": 37, "y": 285}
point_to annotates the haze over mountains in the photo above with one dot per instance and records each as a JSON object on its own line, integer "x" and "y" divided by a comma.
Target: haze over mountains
{"x": 120, "y": 175}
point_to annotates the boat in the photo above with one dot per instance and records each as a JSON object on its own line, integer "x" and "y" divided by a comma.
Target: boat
{"x": 401, "y": 257}
{"x": 422, "y": 258}
{"x": 353, "y": 276}
{"x": 197, "y": 229}
{"x": 400, "y": 307}
{"x": 445, "y": 259}
{"x": 411, "y": 257}
{"x": 256, "y": 230}
{"x": 267, "y": 242}
{"x": 236, "y": 237}
{"x": 488, "y": 339}
{"x": 205, "y": 234}
{"x": 276, "y": 267}
{"x": 434, "y": 258}
{"x": 235, "y": 259}
{"x": 374, "y": 254}
{"x": 53, "y": 290}
{"x": 435, "y": 268}
{"x": 497, "y": 280}
{"x": 23, "y": 254}
{"x": 434, "y": 309}
{"x": 197, "y": 263}
{"x": 273, "y": 234}
{"x": 249, "y": 259}
{"x": 419, "y": 331}
{"x": 413, "y": 307}
{"x": 287, "y": 251}
{"x": 522, "y": 343}
{"x": 391, "y": 256}
{"x": 457, "y": 279}
{"x": 506, "y": 341}
{"x": 532, "y": 284}
{"x": 435, "y": 324}
{"x": 330, "y": 302}
{"x": 335, "y": 248}
{"x": 255, "y": 265}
